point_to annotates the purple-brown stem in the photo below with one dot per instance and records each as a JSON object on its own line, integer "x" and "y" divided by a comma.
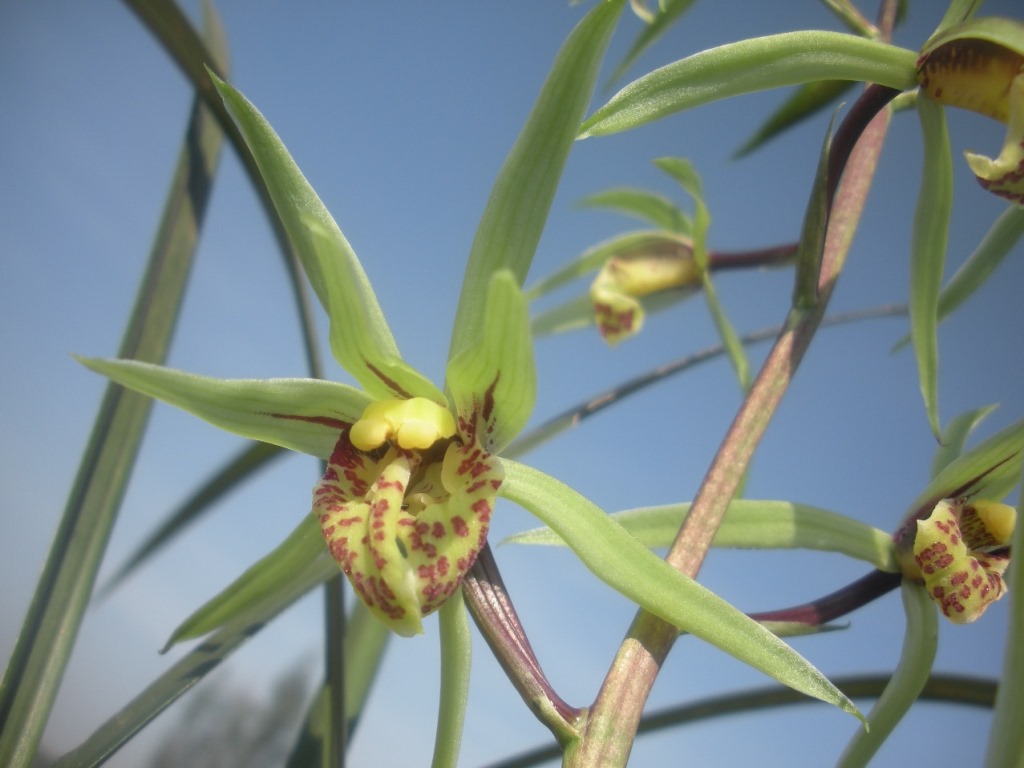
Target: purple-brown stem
{"x": 837, "y": 604}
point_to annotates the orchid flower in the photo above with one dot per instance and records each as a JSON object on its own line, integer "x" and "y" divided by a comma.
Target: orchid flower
{"x": 979, "y": 65}
{"x": 413, "y": 471}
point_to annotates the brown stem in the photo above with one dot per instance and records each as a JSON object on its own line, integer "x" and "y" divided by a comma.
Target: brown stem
{"x": 774, "y": 256}
{"x": 491, "y": 608}
{"x": 615, "y": 716}
{"x": 844, "y": 600}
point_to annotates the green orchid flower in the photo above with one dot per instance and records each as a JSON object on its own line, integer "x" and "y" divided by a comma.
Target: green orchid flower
{"x": 979, "y": 65}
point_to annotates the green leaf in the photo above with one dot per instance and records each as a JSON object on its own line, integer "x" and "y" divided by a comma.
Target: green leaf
{"x": 669, "y": 13}
{"x": 51, "y": 625}
{"x": 806, "y": 101}
{"x": 997, "y": 244}
{"x": 520, "y": 199}
{"x": 928, "y": 251}
{"x": 249, "y": 461}
{"x": 305, "y": 415}
{"x": 627, "y": 566}
{"x": 456, "y": 652}
{"x": 360, "y": 338}
{"x": 656, "y": 209}
{"x": 748, "y": 66}
{"x": 955, "y": 436}
{"x": 908, "y": 679}
{"x": 300, "y": 559}
{"x": 753, "y": 524}
{"x": 493, "y": 378}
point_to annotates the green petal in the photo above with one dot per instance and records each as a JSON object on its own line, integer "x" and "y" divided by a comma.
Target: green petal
{"x": 928, "y": 252}
{"x": 304, "y": 415}
{"x": 360, "y": 337}
{"x": 518, "y": 207}
{"x": 493, "y": 381}
{"x": 626, "y": 565}
{"x": 301, "y": 558}
{"x": 754, "y": 524}
{"x": 748, "y": 66}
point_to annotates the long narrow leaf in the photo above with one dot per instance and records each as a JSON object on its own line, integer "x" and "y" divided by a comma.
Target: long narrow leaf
{"x": 250, "y": 460}
{"x": 955, "y": 435}
{"x": 668, "y": 15}
{"x": 54, "y": 616}
{"x": 517, "y": 209}
{"x": 928, "y": 252}
{"x": 655, "y": 209}
{"x": 753, "y": 524}
{"x": 456, "y": 651}
{"x": 626, "y": 565}
{"x": 757, "y": 64}
{"x": 806, "y": 101}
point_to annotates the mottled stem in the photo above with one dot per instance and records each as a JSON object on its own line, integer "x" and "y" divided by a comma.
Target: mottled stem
{"x": 615, "y": 716}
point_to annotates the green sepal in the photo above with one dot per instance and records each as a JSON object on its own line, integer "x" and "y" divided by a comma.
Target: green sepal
{"x": 493, "y": 380}
{"x": 990, "y": 470}
{"x": 928, "y": 252}
{"x": 360, "y": 337}
{"x": 753, "y": 524}
{"x": 955, "y": 435}
{"x": 300, "y": 557}
{"x": 521, "y": 197}
{"x": 623, "y": 563}
{"x": 456, "y": 654}
{"x": 748, "y": 66}
{"x": 653, "y": 208}
{"x": 920, "y": 642}
{"x": 304, "y": 415}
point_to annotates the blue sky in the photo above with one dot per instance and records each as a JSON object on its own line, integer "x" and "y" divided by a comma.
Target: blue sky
{"x": 401, "y": 121}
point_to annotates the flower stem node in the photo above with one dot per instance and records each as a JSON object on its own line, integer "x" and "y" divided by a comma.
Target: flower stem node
{"x": 414, "y": 423}
{"x": 960, "y": 553}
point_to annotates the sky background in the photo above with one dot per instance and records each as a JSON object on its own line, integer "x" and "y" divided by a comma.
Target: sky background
{"x": 401, "y": 120}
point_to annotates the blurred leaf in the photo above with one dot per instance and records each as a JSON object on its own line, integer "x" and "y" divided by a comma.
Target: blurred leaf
{"x": 955, "y": 436}
{"x": 304, "y": 415}
{"x": 520, "y": 199}
{"x": 300, "y": 557}
{"x": 199, "y": 662}
{"x": 748, "y": 66}
{"x": 456, "y": 652}
{"x": 670, "y": 12}
{"x": 51, "y": 624}
{"x": 753, "y": 524}
{"x": 920, "y": 642}
{"x": 805, "y": 102}
{"x": 997, "y": 244}
{"x": 928, "y": 252}
{"x": 360, "y": 337}
{"x": 248, "y": 462}
{"x": 655, "y": 209}
{"x": 627, "y": 566}
{"x": 1006, "y": 737}
{"x": 851, "y": 17}
{"x": 948, "y": 689}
